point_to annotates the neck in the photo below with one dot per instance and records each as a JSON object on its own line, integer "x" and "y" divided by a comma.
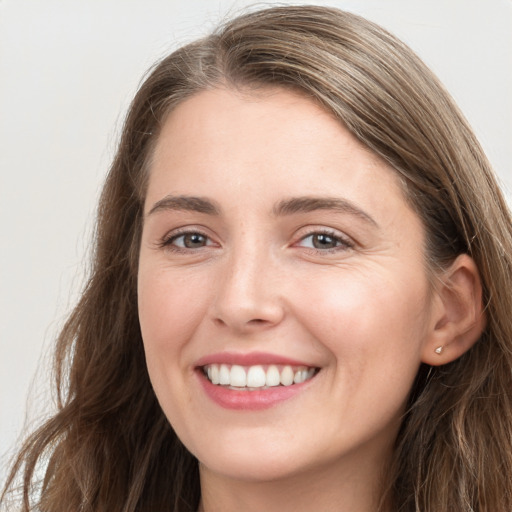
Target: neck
{"x": 353, "y": 488}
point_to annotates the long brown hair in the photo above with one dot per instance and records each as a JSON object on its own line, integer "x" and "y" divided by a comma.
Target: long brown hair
{"x": 110, "y": 448}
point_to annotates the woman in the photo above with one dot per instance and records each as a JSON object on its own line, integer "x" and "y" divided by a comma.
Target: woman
{"x": 300, "y": 295}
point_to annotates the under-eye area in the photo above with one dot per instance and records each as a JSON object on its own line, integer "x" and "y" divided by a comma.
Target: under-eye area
{"x": 257, "y": 377}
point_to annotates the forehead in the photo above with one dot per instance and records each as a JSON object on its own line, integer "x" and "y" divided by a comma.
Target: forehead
{"x": 262, "y": 146}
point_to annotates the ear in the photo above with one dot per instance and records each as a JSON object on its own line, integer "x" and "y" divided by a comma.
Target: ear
{"x": 458, "y": 313}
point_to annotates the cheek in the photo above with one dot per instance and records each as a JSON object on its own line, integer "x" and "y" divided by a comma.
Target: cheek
{"x": 374, "y": 329}
{"x": 170, "y": 308}
{"x": 369, "y": 321}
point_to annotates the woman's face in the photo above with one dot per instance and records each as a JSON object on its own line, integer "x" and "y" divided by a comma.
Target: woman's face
{"x": 276, "y": 247}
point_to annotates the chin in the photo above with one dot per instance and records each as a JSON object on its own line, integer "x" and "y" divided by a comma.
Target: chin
{"x": 251, "y": 467}
{"x": 251, "y": 458}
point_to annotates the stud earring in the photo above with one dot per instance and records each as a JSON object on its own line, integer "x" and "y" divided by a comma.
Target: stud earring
{"x": 439, "y": 350}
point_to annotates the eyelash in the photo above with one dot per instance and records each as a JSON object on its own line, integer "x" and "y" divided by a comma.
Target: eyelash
{"x": 168, "y": 241}
{"x": 342, "y": 243}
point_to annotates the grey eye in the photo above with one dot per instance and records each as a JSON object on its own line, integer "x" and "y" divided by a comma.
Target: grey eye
{"x": 323, "y": 241}
{"x": 320, "y": 241}
{"x": 190, "y": 241}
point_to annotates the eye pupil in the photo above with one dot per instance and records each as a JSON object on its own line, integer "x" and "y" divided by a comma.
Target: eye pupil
{"x": 193, "y": 240}
{"x": 322, "y": 241}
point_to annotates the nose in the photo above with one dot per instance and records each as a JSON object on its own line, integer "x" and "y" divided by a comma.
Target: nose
{"x": 249, "y": 294}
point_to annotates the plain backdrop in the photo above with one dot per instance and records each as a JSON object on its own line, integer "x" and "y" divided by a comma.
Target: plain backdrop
{"x": 68, "y": 70}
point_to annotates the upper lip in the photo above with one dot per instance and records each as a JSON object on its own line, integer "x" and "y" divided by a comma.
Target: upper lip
{"x": 249, "y": 359}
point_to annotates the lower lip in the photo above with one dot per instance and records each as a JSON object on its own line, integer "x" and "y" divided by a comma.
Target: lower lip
{"x": 250, "y": 400}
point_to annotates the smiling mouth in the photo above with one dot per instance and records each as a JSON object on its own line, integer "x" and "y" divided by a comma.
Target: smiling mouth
{"x": 257, "y": 377}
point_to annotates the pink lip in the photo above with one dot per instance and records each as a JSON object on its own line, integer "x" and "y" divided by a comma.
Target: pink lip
{"x": 248, "y": 359}
{"x": 249, "y": 400}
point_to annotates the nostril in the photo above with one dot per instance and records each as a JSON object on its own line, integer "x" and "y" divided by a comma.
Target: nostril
{"x": 255, "y": 322}
{"x": 244, "y": 315}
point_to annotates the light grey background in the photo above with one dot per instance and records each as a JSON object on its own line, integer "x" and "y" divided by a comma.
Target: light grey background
{"x": 68, "y": 69}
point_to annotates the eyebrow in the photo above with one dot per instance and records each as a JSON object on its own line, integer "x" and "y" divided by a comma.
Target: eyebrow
{"x": 186, "y": 203}
{"x": 311, "y": 203}
{"x": 285, "y": 207}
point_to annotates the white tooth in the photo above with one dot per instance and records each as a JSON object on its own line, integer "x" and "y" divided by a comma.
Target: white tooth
{"x": 298, "y": 377}
{"x": 238, "y": 376}
{"x": 311, "y": 373}
{"x": 287, "y": 376}
{"x": 256, "y": 377}
{"x": 273, "y": 378}
{"x": 214, "y": 371}
{"x": 209, "y": 373}
{"x": 224, "y": 375}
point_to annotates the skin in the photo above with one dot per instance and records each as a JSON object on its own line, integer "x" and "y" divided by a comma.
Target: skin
{"x": 362, "y": 311}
